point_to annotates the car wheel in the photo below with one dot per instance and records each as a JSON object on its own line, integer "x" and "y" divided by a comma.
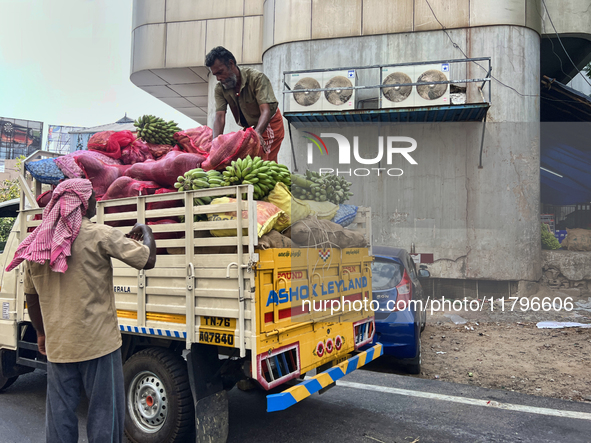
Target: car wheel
{"x": 424, "y": 319}
{"x": 159, "y": 403}
{"x": 414, "y": 367}
{"x": 6, "y": 382}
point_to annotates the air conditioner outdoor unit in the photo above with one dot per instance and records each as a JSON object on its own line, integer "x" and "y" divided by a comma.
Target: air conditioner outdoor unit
{"x": 398, "y": 96}
{"x": 339, "y": 100}
{"x": 418, "y": 95}
{"x": 433, "y": 94}
{"x": 305, "y": 101}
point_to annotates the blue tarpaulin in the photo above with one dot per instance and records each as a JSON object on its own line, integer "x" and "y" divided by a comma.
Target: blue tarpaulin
{"x": 574, "y": 166}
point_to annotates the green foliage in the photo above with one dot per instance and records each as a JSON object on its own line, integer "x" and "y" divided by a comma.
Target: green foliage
{"x": 9, "y": 189}
{"x": 548, "y": 239}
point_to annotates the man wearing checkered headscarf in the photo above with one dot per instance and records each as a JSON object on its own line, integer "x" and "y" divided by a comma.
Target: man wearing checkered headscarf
{"x": 62, "y": 217}
{"x": 68, "y": 284}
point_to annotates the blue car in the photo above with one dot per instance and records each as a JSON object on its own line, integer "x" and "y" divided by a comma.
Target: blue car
{"x": 399, "y": 322}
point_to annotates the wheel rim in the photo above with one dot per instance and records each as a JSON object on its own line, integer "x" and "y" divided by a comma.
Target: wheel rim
{"x": 147, "y": 402}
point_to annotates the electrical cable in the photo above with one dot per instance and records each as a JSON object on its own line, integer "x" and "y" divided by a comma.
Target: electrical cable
{"x": 551, "y": 43}
{"x": 455, "y": 45}
{"x": 560, "y": 41}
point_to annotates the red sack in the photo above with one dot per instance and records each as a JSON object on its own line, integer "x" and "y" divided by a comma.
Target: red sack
{"x": 128, "y": 187}
{"x": 100, "y": 175}
{"x": 197, "y": 140}
{"x": 44, "y": 199}
{"x": 166, "y": 170}
{"x": 158, "y": 151}
{"x": 232, "y": 146}
{"x": 165, "y": 235}
{"x": 137, "y": 152}
{"x": 166, "y": 204}
{"x": 99, "y": 140}
{"x": 117, "y": 142}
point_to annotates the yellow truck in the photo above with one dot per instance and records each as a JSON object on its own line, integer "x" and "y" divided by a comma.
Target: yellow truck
{"x": 214, "y": 311}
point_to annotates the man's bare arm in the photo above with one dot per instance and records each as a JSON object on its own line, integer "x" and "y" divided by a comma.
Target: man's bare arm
{"x": 264, "y": 119}
{"x": 219, "y": 124}
{"x": 37, "y": 319}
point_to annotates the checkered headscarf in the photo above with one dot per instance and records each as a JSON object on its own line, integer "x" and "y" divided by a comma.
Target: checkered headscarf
{"x": 62, "y": 217}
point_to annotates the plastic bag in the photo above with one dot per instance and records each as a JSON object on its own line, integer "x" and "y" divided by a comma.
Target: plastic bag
{"x": 293, "y": 209}
{"x": 100, "y": 175}
{"x": 166, "y": 170}
{"x": 228, "y": 147}
{"x": 45, "y": 171}
{"x": 322, "y": 210}
{"x": 345, "y": 215}
{"x": 137, "y": 152}
{"x": 267, "y": 215}
{"x": 197, "y": 140}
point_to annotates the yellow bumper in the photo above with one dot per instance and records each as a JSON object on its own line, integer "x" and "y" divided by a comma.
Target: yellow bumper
{"x": 295, "y": 394}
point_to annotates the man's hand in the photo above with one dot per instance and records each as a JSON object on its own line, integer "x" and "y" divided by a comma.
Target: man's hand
{"x": 144, "y": 234}
{"x": 41, "y": 344}
{"x": 138, "y": 231}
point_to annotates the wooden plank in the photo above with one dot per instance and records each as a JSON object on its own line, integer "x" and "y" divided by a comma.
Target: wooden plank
{"x": 213, "y": 209}
{"x": 219, "y": 241}
{"x": 212, "y": 312}
{"x": 221, "y": 224}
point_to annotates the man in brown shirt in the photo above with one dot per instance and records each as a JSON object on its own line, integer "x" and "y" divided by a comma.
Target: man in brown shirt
{"x": 75, "y": 318}
{"x": 251, "y": 99}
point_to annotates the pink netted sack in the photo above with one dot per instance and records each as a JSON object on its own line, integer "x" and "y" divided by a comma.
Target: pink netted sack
{"x": 99, "y": 141}
{"x": 136, "y": 152}
{"x": 128, "y": 187}
{"x": 197, "y": 140}
{"x": 232, "y": 146}
{"x": 166, "y": 170}
{"x": 70, "y": 168}
{"x": 158, "y": 151}
{"x": 100, "y": 175}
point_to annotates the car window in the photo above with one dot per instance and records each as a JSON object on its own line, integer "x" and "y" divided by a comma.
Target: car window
{"x": 386, "y": 274}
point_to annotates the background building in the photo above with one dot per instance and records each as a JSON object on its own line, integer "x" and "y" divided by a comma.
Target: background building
{"x": 58, "y": 138}
{"x": 78, "y": 138}
{"x": 481, "y": 224}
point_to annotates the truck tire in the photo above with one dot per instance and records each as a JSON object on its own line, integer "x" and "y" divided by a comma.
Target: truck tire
{"x": 6, "y": 382}
{"x": 159, "y": 404}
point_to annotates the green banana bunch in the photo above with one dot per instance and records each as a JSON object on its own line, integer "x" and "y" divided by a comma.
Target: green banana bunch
{"x": 321, "y": 188}
{"x": 262, "y": 174}
{"x": 196, "y": 179}
{"x": 155, "y": 130}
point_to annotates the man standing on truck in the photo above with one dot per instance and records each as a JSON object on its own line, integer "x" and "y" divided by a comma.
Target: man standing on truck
{"x": 68, "y": 283}
{"x": 251, "y": 99}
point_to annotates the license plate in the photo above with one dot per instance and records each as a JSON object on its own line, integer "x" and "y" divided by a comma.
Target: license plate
{"x": 218, "y": 322}
{"x": 216, "y": 338}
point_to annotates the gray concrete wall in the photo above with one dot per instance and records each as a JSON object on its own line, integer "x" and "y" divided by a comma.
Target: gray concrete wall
{"x": 479, "y": 223}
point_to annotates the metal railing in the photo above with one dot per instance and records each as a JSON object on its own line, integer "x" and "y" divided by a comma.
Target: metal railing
{"x": 287, "y": 89}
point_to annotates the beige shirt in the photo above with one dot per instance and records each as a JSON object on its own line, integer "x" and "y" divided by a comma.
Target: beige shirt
{"x": 255, "y": 89}
{"x": 78, "y": 306}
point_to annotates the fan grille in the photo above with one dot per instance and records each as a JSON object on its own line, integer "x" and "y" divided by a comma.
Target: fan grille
{"x": 397, "y": 93}
{"x": 306, "y": 98}
{"x": 432, "y": 92}
{"x": 339, "y": 97}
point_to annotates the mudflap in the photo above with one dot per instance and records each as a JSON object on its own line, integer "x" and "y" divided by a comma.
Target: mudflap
{"x": 212, "y": 418}
{"x": 211, "y": 400}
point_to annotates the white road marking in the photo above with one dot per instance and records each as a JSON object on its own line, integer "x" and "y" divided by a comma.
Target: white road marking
{"x": 468, "y": 401}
